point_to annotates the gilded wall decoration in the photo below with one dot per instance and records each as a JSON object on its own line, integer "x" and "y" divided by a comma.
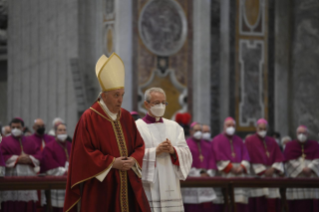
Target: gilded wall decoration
{"x": 162, "y": 50}
{"x": 251, "y": 69}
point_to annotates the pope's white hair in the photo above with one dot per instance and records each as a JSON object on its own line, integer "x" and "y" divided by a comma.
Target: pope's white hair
{"x": 148, "y": 92}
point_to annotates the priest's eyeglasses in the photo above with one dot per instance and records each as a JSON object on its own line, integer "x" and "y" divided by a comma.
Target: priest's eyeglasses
{"x": 157, "y": 103}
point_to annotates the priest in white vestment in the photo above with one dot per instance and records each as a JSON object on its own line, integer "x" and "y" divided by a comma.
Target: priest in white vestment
{"x": 167, "y": 158}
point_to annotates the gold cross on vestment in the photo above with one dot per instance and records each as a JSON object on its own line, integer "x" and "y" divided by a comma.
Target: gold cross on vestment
{"x": 233, "y": 154}
{"x": 201, "y": 158}
{"x": 267, "y": 153}
{"x": 303, "y": 155}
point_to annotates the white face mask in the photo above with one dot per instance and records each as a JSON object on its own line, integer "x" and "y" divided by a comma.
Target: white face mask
{"x": 16, "y": 132}
{"x": 230, "y": 131}
{"x": 206, "y": 136}
{"x": 62, "y": 137}
{"x": 158, "y": 110}
{"x": 197, "y": 135}
{"x": 262, "y": 133}
{"x": 302, "y": 137}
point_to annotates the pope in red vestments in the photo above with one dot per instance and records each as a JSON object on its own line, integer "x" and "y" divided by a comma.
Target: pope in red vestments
{"x": 107, "y": 151}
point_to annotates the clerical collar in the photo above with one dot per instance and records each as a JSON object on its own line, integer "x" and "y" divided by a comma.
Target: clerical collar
{"x": 113, "y": 116}
{"x": 151, "y": 120}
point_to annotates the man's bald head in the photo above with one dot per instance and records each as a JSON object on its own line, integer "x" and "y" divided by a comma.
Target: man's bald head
{"x": 205, "y": 128}
{"x": 39, "y": 122}
{"x": 39, "y": 126}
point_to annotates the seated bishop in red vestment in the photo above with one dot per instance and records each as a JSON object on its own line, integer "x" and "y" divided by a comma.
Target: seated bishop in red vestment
{"x": 107, "y": 151}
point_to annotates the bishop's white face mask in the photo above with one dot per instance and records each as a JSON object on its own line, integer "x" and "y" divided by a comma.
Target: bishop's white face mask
{"x": 262, "y": 133}
{"x": 16, "y": 132}
{"x": 158, "y": 110}
{"x": 197, "y": 135}
{"x": 302, "y": 137}
{"x": 230, "y": 131}
{"x": 62, "y": 137}
{"x": 207, "y": 136}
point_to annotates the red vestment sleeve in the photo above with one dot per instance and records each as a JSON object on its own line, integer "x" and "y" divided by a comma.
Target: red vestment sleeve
{"x": 175, "y": 160}
{"x": 228, "y": 168}
{"x": 86, "y": 161}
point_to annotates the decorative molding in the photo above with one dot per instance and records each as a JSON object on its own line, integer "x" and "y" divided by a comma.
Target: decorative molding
{"x": 162, "y": 27}
{"x": 248, "y": 112}
{"x": 245, "y": 28}
{"x": 172, "y": 77}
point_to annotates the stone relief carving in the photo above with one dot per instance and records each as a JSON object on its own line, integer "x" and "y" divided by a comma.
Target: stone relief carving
{"x": 109, "y": 9}
{"x": 163, "y": 27}
{"x": 251, "y": 58}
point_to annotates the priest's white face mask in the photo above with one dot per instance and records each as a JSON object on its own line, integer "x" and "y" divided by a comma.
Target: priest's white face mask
{"x": 229, "y": 127}
{"x": 206, "y": 132}
{"x": 16, "y": 129}
{"x": 207, "y": 136}
{"x": 60, "y": 131}
{"x": 197, "y": 135}
{"x": 302, "y": 134}
{"x": 157, "y": 104}
{"x": 62, "y": 137}
{"x": 302, "y": 137}
{"x": 262, "y": 130}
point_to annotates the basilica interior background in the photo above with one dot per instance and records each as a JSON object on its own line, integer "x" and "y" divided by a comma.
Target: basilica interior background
{"x": 214, "y": 58}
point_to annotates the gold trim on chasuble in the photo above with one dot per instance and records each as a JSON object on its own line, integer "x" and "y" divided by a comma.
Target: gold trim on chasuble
{"x": 120, "y": 139}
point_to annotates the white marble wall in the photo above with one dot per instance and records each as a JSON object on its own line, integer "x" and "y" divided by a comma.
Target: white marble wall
{"x": 224, "y": 60}
{"x": 201, "y": 61}
{"x": 42, "y": 38}
{"x": 282, "y": 65}
{"x": 123, "y": 46}
{"x": 305, "y": 66}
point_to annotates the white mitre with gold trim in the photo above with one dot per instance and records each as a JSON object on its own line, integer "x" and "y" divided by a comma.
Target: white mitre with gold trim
{"x": 110, "y": 72}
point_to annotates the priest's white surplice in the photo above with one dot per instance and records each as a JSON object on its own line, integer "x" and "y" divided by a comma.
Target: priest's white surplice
{"x": 160, "y": 177}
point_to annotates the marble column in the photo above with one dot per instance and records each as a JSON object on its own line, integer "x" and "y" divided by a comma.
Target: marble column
{"x": 201, "y": 61}
{"x": 283, "y": 27}
{"x": 225, "y": 30}
{"x": 123, "y": 46}
{"x": 305, "y": 66}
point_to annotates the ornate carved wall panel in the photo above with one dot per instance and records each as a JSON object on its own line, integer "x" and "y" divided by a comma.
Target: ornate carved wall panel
{"x": 162, "y": 47}
{"x": 251, "y": 63}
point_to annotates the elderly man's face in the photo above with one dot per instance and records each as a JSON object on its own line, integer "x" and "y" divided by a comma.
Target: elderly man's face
{"x": 229, "y": 123}
{"x": 261, "y": 127}
{"x": 205, "y": 129}
{"x": 61, "y": 129}
{"x": 156, "y": 98}
{"x": 113, "y": 99}
{"x": 196, "y": 128}
{"x": 16, "y": 126}
{"x": 7, "y": 130}
{"x": 302, "y": 130}
{"x": 38, "y": 124}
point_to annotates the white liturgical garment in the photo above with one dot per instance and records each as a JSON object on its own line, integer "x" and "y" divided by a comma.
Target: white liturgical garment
{"x": 159, "y": 175}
